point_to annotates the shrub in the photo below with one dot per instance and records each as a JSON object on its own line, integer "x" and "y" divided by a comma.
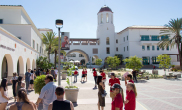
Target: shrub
{"x": 172, "y": 66}
{"x": 39, "y": 83}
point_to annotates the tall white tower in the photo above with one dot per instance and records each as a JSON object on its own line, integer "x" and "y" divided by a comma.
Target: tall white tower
{"x": 106, "y": 32}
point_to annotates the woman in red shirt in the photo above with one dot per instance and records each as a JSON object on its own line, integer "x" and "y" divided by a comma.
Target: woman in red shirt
{"x": 86, "y": 73}
{"x": 130, "y": 102}
{"x": 83, "y": 75}
{"x": 103, "y": 76}
{"x": 117, "y": 103}
{"x": 95, "y": 77}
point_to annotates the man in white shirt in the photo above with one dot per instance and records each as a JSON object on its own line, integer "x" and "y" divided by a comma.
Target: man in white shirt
{"x": 56, "y": 73}
{"x": 47, "y": 93}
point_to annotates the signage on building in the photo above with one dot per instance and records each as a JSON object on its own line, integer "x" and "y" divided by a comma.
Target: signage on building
{"x": 5, "y": 47}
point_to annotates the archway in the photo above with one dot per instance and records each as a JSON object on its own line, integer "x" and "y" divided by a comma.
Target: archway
{"x": 28, "y": 64}
{"x": 7, "y": 66}
{"x": 20, "y": 66}
{"x": 94, "y": 58}
{"x": 82, "y": 61}
{"x": 81, "y": 52}
{"x": 33, "y": 64}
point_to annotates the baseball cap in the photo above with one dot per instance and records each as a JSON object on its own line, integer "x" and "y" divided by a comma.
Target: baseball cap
{"x": 116, "y": 86}
{"x": 113, "y": 74}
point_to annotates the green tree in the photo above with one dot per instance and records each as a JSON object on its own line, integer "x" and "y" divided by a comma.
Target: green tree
{"x": 173, "y": 27}
{"x": 164, "y": 61}
{"x": 43, "y": 63}
{"x": 48, "y": 39}
{"x": 120, "y": 56}
{"x": 113, "y": 62}
{"x": 133, "y": 62}
{"x": 98, "y": 61}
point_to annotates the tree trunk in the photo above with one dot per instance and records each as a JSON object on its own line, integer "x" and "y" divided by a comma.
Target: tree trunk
{"x": 55, "y": 57}
{"x": 49, "y": 54}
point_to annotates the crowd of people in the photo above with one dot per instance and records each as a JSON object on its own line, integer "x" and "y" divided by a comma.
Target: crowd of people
{"x": 52, "y": 96}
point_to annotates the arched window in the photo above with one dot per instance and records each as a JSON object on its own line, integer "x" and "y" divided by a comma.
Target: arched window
{"x": 101, "y": 18}
{"x": 107, "y": 18}
{"x": 107, "y": 40}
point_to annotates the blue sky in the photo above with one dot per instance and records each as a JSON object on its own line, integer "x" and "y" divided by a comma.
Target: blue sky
{"x": 80, "y": 16}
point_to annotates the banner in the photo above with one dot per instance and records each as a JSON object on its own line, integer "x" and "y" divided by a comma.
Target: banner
{"x": 65, "y": 41}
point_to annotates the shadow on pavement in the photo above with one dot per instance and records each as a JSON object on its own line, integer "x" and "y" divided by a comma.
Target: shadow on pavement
{"x": 141, "y": 81}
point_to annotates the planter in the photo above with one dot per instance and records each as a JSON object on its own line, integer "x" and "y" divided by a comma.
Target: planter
{"x": 71, "y": 94}
{"x": 63, "y": 75}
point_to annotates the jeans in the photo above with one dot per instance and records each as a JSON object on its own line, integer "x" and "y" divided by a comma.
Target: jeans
{"x": 27, "y": 84}
{"x": 75, "y": 78}
{"x": 134, "y": 77}
{"x": 95, "y": 78}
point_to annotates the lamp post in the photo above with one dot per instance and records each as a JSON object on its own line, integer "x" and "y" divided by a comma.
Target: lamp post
{"x": 59, "y": 25}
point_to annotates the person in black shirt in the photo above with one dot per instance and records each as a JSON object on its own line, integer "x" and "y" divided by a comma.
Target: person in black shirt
{"x": 60, "y": 103}
{"x": 134, "y": 72}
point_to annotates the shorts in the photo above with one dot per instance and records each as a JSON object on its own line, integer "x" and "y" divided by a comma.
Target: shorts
{"x": 31, "y": 81}
{"x": 83, "y": 75}
{"x": 112, "y": 95}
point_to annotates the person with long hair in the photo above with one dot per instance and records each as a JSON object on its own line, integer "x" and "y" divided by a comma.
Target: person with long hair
{"x": 19, "y": 84}
{"x": 101, "y": 87}
{"x": 47, "y": 72}
{"x": 117, "y": 103}
{"x": 4, "y": 94}
{"x": 130, "y": 102}
{"x": 95, "y": 77}
{"x": 14, "y": 81}
{"x": 23, "y": 102}
{"x": 32, "y": 79}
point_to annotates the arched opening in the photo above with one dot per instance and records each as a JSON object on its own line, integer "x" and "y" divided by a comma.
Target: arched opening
{"x": 80, "y": 52}
{"x": 7, "y": 66}
{"x": 107, "y": 41}
{"x": 20, "y": 66}
{"x": 94, "y": 59}
{"x": 82, "y": 61}
{"x": 33, "y": 64}
{"x": 107, "y": 17}
{"x": 28, "y": 64}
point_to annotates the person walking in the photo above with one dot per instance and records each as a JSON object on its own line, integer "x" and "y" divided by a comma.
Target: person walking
{"x": 14, "y": 80}
{"x": 129, "y": 78}
{"x": 23, "y": 102}
{"x": 47, "y": 72}
{"x": 130, "y": 102}
{"x": 134, "y": 72}
{"x": 19, "y": 84}
{"x": 75, "y": 75}
{"x": 32, "y": 80}
{"x": 56, "y": 73}
{"x": 27, "y": 79}
{"x": 47, "y": 92}
{"x": 86, "y": 74}
{"x": 117, "y": 103}
{"x": 44, "y": 72}
{"x": 53, "y": 73}
{"x": 60, "y": 103}
{"x": 112, "y": 81}
{"x": 37, "y": 72}
{"x": 103, "y": 76}
{"x": 83, "y": 75}
{"x": 95, "y": 77}
{"x": 4, "y": 94}
{"x": 101, "y": 87}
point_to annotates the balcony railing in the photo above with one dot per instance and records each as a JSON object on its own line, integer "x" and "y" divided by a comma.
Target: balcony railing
{"x": 149, "y": 40}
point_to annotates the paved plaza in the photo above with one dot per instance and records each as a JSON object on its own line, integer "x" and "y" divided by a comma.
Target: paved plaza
{"x": 153, "y": 94}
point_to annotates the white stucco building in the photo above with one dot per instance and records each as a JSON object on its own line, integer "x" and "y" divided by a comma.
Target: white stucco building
{"x": 20, "y": 41}
{"x": 134, "y": 40}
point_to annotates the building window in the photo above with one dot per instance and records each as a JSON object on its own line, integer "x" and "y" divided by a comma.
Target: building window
{"x": 164, "y": 37}
{"x": 155, "y": 38}
{"x": 19, "y": 38}
{"x": 108, "y": 50}
{"x": 153, "y": 47}
{"x": 95, "y": 51}
{"x": 117, "y": 49}
{"x": 124, "y": 49}
{"x": 71, "y": 55}
{"x": 127, "y": 48}
{"x": 33, "y": 44}
{"x": 107, "y": 40}
{"x": 167, "y": 48}
{"x": 143, "y": 47}
{"x": 154, "y": 60}
{"x": 148, "y": 47}
{"x": 1, "y": 21}
{"x": 157, "y": 47}
{"x": 127, "y": 37}
{"x": 124, "y": 39}
{"x": 101, "y": 18}
{"x": 145, "y": 38}
{"x": 107, "y": 18}
{"x": 80, "y": 55}
{"x": 116, "y": 40}
{"x": 37, "y": 47}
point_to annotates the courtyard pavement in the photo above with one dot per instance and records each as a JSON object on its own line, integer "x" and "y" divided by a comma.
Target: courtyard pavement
{"x": 153, "y": 94}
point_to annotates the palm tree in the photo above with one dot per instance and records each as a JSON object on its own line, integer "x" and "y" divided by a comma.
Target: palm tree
{"x": 174, "y": 26}
{"x": 48, "y": 39}
{"x": 55, "y": 49}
